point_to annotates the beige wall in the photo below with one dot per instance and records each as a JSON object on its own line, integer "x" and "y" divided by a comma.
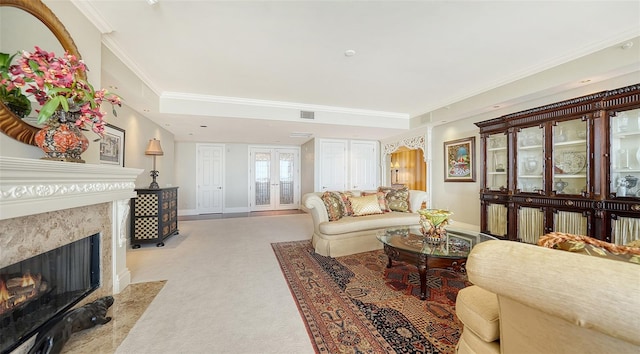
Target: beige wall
{"x": 138, "y": 129}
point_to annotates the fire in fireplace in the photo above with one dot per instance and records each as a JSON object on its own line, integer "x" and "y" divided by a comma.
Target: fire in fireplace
{"x": 37, "y": 289}
{"x": 20, "y": 290}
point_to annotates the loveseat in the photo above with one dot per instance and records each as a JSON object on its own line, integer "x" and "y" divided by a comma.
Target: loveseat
{"x": 532, "y": 299}
{"x": 355, "y": 234}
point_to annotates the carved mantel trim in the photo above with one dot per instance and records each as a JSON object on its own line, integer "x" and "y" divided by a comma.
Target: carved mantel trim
{"x": 30, "y": 186}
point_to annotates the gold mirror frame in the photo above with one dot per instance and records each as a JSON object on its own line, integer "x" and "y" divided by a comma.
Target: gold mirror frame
{"x": 10, "y": 124}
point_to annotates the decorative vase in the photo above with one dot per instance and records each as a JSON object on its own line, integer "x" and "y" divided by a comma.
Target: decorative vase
{"x": 433, "y": 222}
{"x": 62, "y": 140}
{"x": 531, "y": 165}
{"x": 560, "y": 185}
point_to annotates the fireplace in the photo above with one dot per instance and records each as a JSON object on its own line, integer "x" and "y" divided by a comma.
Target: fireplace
{"x": 34, "y": 290}
{"x": 46, "y": 205}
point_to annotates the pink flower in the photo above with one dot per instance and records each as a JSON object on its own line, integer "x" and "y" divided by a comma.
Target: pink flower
{"x": 58, "y": 82}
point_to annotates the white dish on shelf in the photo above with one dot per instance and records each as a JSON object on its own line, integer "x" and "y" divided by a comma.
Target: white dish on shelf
{"x": 573, "y": 162}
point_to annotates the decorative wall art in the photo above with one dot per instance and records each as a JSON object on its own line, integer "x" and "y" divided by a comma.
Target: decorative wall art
{"x": 459, "y": 157}
{"x": 112, "y": 146}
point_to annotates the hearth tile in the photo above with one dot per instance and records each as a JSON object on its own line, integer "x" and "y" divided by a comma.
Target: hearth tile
{"x": 127, "y": 308}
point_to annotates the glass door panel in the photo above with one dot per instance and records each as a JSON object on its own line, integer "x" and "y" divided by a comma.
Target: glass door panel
{"x": 287, "y": 177}
{"x": 497, "y": 163}
{"x": 570, "y": 163}
{"x": 530, "y": 178}
{"x": 497, "y": 219}
{"x": 530, "y": 224}
{"x": 570, "y": 222}
{"x": 262, "y": 166}
{"x": 625, "y": 154}
{"x": 625, "y": 230}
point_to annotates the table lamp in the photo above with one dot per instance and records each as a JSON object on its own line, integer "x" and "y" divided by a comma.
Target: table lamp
{"x": 154, "y": 149}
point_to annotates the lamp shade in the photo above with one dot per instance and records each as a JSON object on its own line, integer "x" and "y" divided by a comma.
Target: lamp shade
{"x": 154, "y": 148}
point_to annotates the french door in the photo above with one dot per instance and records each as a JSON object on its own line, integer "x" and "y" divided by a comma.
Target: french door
{"x": 275, "y": 178}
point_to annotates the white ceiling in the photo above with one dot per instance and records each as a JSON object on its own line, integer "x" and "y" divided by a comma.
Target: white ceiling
{"x": 245, "y": 69}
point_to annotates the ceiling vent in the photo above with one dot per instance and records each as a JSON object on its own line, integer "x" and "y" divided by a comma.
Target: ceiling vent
{"x": 307, "y": 115}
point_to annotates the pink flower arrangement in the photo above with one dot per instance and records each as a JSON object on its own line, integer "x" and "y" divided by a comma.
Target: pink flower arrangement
{"x": 60, "y": 83}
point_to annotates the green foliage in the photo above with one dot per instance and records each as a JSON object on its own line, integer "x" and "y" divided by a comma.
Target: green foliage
{"x": 14, "y": 99}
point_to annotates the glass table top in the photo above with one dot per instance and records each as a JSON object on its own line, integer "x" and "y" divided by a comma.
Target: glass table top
{"x": 458, "y": 242}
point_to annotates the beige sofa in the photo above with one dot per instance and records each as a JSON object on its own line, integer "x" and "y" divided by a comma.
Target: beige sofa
{"x": 532, "y": 299}
{"x": 355, "y": 234}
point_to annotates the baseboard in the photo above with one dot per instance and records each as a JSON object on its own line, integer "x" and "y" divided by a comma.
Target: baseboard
{"x": 182, "y": 212}
{"x": 236, "y": 210}
{"x": 122, "y": 281}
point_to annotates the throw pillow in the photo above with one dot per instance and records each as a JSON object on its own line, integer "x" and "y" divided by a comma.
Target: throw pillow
{"x": 398, "y": 199}
{"x": 366, "y": 205}
{"x": 344, "y": 200}
{"x": 382, "y": 200}
{"x": 333, "y": 205}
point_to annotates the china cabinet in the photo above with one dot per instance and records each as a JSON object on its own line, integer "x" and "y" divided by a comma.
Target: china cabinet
{"x": 572, "y": 166}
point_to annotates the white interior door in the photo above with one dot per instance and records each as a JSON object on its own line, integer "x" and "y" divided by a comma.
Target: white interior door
{"x": 363, "y": 165}
{"x": 209, "y": 178}
{"x": 332, "y": 165}
{"x": 275, "y": 177}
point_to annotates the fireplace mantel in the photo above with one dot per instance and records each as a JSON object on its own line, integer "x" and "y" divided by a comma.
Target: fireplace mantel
{"x": 30, "y": 186}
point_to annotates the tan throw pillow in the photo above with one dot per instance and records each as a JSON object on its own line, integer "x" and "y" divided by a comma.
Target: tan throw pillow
{"x": 333, "y": 205}
{"x": 366, "y": 205}
{"x": 398, "y": 199}
{"x": 382, "y": 200}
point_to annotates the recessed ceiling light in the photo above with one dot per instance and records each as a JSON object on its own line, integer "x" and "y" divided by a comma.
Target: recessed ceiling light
{"x": 627, "y": 45}
{"x": 349, "y": 53}
{"x": 203, "y": 126}
{"x": 152, "y": 2}
{"x": 585, "y": 81}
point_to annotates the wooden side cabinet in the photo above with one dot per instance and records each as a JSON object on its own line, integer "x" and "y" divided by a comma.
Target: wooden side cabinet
{"x": 154, "y": 216}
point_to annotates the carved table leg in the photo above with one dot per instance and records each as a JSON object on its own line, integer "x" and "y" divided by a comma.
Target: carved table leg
{"x": 422, "y": 269}
{"x": 389, "y": 264}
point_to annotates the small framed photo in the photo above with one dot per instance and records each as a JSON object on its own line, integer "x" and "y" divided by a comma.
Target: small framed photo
{"x": 460, "y": 164}
{"x": 112, "y": 146}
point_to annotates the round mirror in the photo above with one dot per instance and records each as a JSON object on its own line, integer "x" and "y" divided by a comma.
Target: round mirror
{"x": 36, "y": 25}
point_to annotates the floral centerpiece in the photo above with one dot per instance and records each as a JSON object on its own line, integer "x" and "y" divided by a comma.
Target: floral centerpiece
{"x": 68, "y": 101}
{"x": 433, "y": 222}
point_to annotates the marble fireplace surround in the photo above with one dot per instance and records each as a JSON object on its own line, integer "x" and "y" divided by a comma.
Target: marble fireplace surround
{"x": 48, "y": 204}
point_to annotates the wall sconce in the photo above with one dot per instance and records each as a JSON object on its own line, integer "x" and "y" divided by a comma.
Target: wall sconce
{"x": 154, "y": 149}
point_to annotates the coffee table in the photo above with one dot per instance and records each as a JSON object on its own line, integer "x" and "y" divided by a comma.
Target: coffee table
{"x": 406, "y": 244}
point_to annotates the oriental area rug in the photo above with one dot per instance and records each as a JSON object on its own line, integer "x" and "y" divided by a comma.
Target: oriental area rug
{"x": 355, "y": 304}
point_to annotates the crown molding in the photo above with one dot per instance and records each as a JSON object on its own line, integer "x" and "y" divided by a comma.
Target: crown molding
{"x": 281, "y": 104}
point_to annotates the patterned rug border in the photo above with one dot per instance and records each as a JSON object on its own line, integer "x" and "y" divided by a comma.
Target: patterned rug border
{"x": 366, "y": 311}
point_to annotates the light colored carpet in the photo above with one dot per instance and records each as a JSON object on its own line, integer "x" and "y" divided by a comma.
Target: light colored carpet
{"x": 225, "y": 292}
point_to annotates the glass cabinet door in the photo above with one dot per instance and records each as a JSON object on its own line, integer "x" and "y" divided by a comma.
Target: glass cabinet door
{"x": 625, "y": 154}
{"x": 531, "y": 223}
{"x": 496, "y": 216}
{"x": 530, "y": 178}
{"x": 497, "y": 163}
{"x": 569, "y": 162}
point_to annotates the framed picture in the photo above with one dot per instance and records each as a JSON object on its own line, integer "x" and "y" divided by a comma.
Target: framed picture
{"x": 460, "y": 164}
{"x": 112, "y": 146}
